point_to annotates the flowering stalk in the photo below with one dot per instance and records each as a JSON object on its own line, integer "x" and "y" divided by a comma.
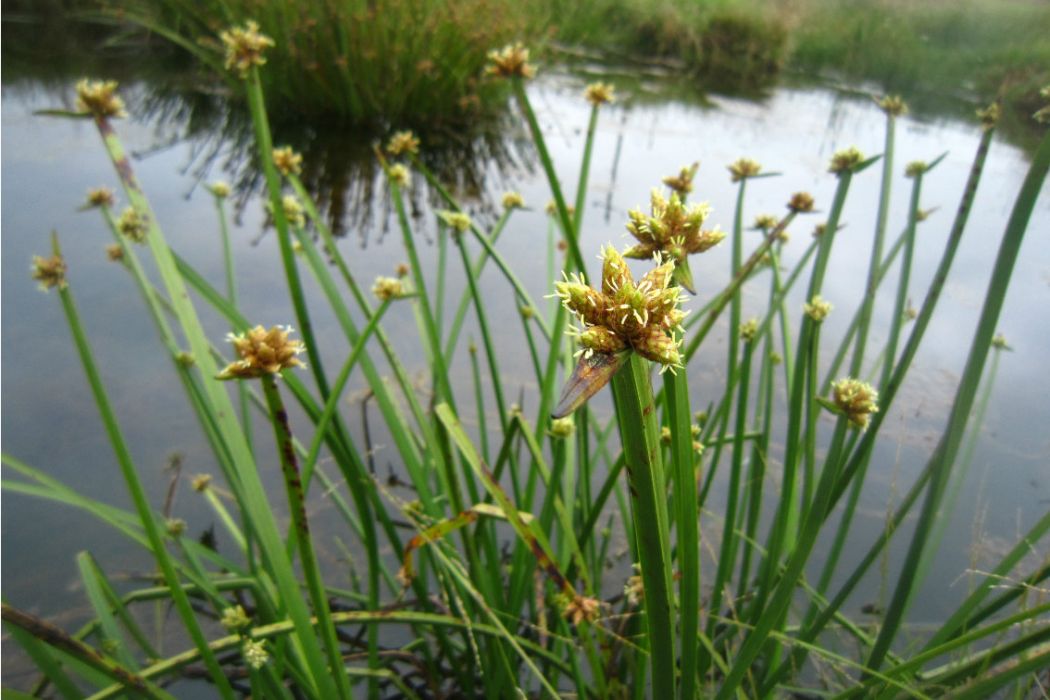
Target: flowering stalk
{"x": 640, "y": 436}
{"x": 297, "y": 506}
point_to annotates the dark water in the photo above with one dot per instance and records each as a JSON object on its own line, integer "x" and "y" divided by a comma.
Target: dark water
{"x": 49, "y": 419}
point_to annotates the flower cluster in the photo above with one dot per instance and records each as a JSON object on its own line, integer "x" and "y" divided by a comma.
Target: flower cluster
{"x": 856, "y": 399}
{"x": 674, "y": 230}
{"x": 801, "y": 203}
{"x": 642, "y": 317}
{"x": 99, "y": 98}
{"x": 402, "y": 142}
{"x": 682, "y": 183}
{"x": 513, "y": 200}
{"x": 600, "y": 93}
{"x": 893, "y": 105}
{"x": 388, "y": 288}
{"x": 287, "y": 161}
{"x": 399, "y": 174}
{"x": 817, "y": 308}
{"x": 456, "y": 220}
{"x": 512, "y": 61}
{"x": 244, "y": 47}
{"x": 744, "y": 168}
{"x": 989, "y": 116}
{"x": 220, "y": 189}
{"x": 49, "y": 272}
{"x": 132, "y": 225}
{"x": 915, "y": 168}
{"x": 845, "y": 160}
{"x": 262, "y": 352}
{"x": 101, "y": 197}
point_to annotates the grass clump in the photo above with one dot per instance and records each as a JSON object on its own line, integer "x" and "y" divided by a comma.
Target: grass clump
{"x": 500, "y": 554}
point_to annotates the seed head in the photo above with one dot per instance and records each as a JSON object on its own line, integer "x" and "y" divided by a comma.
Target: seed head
{"x": 845, "y": 160}
{"x": 893, "y": 105}
{"x": 989, "y": 116}
{"x": 255, "y": 654}
{"x": 99, "y": 98}
{"x": 262, "y": 352}
{"x": 244, "y": 47}
{"x": 643, "y": 316}
{"x": 402, "y": 270}
{"x": 527, "y": 312}
{"x": 101, "y": 197}
{"x": 49, "y": 272}
{"x": 817, "y": 308}
{"x": 132, "y": 225}
{"x": 456, "y": 220}
{"x": 562, "y": 427}
{"x": 388, "y": 288}
{"x": 399, "y": 174}
{"x": 402, "y": 142}
{"x": 801, "y": 202}
{"x": 744, "y": 168}
{"x": 234, "y": 618}
{"x": 672, "y": 229}
{"x": 749, "y": 330}
{"x": 915, "y": 168}
{"x": 600, "y": 93}
{"x": 634, "y": 590}
{"x": 185, "y": 359}
{"x": 512, "y": 61}
{"x": 293, "y": 210}
{"x": 766, "y": 222}
{"x": 220, "y": 189}
{"x": 287, "y": 161}
{"x": 581, "y": 608}
{"x": 175, "y": 527}
{"x": 682, "y": 183}
{"x": 114, "y": 252}
{"x": 201, "y": 482}
{"x": 513, "y": 200}
{"x": 775, "y": 358}
{"x": 857, "y": 399}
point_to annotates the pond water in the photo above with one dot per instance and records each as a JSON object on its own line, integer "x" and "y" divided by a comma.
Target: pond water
{"x": 49, "y": 420}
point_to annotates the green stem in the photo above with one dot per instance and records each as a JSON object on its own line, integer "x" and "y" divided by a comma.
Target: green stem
{"x": 636, "y": 415}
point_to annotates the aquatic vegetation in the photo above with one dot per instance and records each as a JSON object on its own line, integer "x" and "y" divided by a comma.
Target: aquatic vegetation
{"x": 490, "y": 547}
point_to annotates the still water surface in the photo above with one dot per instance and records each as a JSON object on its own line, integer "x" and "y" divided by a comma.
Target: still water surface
{"x": 49, "y": 419}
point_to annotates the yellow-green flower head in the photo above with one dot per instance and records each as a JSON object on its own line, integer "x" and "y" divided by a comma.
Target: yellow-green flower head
{"x": 817, "y": 308}
{"x": 563, "y": 427}
{"x": 456, "y": 220}
{"x": 857, "y": 399}
{"x": 201, "y": 482}
{"x": 749, "y": 330}
{"x": 244, "y": 47}
{"x": 915, "y": 168}
{"x": 527, "y": 312}
{"x": 255, "y": 654}
{"x": 262, "y": 352}
{"x": 49, "y": 272}
{"x": 600, "y": 93}
{"x": 999, "y": 342}
{"x": 186, "y": 359}
{"x": 845, "y": 160}
{"x": 175, "y": 526}
{"x": 766, "y": 222}
{"x": 801, "y": 203}
{"x": 388, "y": 288}
{"x": 819, "y": 229}
{"x": 893, "y": 105}
{"x": 989, "y": 116}
{"x": 642, "y": 317}
{"x": 512, "y": 61}
{"x": 744, "y": 168}
{"x": 580, "y": 608}
{"x": 552, "y": 209}
{"x": 234, "y": 618}
{"x": 784, "y": 236}
{"x": 287, "y": 161}
{"x": 402, "y": 142}
{"x": 101, "y": 197}
{"x": 114, "y": 252}
{"x": 99, "y": 98}
{"x": 513, "y": 200}
{"x": 1043, "y": 115}
{"x": 672, "y": 228}
{"x": 293, "y": 210}
{"x": 132, "y": 225}
{"x": 682, "y": 183}
{"x": 399, "y": 174}
{"x": 220, "y": 189}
